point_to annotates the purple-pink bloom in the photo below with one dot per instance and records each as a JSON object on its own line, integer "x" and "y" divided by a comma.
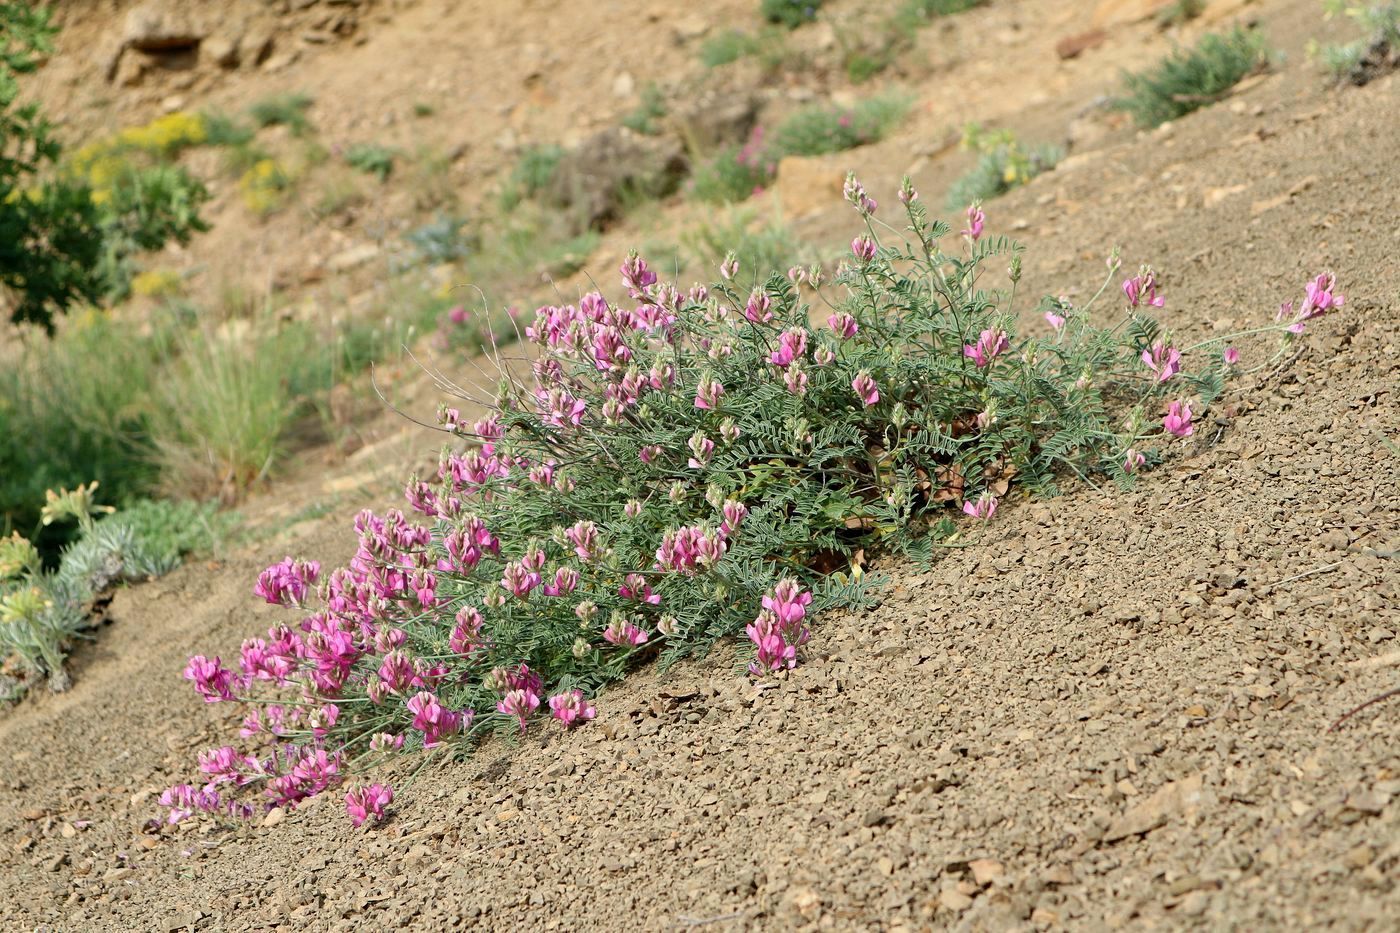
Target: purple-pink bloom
{"x": 779, "y": 630}
{"x": 286, "y": 583}
{"x": 708, "y": 392}
{"x": 990, "y": 344}
{"x": 1133, "y": 461}
{"x": 863, "y": 248}
{"x": 636, "y": 276}
{"x": 865, "y": 387}
{"x": 1178, "y": 419}
{"x": 791, "y": 345}
{"x": 520, "y": 703}
{"x": 975, "y": 220}
{"x": 1164, "y": 361}
{"x": 625, "y": 634}
{"x": 1054, "y": 320}
{"x": 843, "y": 324}
{"x": 757, "y": 310}
{"x": 1142, "y": 289}
{"x": 635, "y": 586}
{"x": 1322, "y": 296}
{"x": 570, "y": 708}
{"x": 211, "y": 679}
{"x": 367, "y": 802}
{"x": 1231, "y": 356}
{"x": 982, "y": 509}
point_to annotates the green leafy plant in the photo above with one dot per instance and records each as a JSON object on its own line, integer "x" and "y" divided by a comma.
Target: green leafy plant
{"x": 819, "y": 130}
{"x": 761, "y": 248}
{"x": 41, "y": 610}
{"x": 790, "y": 13}
{"x": 646, "y": 119}
{"x": 372, "y": 159}
{"x": 1002, "y": 164}
{"x": 441, "y": 240}
{"x": 532, "y": 174}
{"x": 1362, "y": 60}
{"x": 680, "y": 467}
{"x": 1180, "y": 13}
{"x": 1189, "y": 79}
{"x": 289, "y": 110}
{"x": 726, "y": 47}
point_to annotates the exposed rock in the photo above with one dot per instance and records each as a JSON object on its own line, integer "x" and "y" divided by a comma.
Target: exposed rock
{"x": 1079, "y": 43}
{"x": 255, "y": 48}
{"x": 220, "y": 50}
{"x": 1111, "y": 13}
{"x": 352, "y": 258}
{"x": 595, "y": 178}
{"x": 715, "y": 118}
{"x": 161, "y": 25}
{"x": 807, "y": 185}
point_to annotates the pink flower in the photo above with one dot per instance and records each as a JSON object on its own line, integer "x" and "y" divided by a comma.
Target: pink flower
{"x": 983, "y": 509}
{"x": 791, "y": 345}
{"x": 990, "y": 344}
{"x": 795, "y": 378}
{"x": 211, "y": 679}
{"x": 788, "y": 602}
{"x": 635, "y": 586}
{"x": 565, "y": 582}
{"x": 863, "y": 248}
{"x": 636, "y": 276}
{"x": 519, "y": 703}
{"x": 624, "y": 634}
{"x": 1164, "y": 361}
{"x": 975, "y": 221}
{"x": 466, "y": 633}
{"x": 1178, "y": 419}
{"x": 1055, "y": 321}
{"x": 571, "y": 708}
{"x": 757, "y": 310}
{"x": 584, "y": 537}
{"x": 779, "y": 629}
{"x": 285, "y": 584}
{"x": 1142, "y": 289}
{"x": 907, "y": 194}
{"x": 708, "y": 392}
{"x": 734, "y": 514}
{"x": 1133, "y": 461}
{"x": 458, "y": 315}
{"x": 843, "y": 324}
{"x": 702, "y": 449}
{"x": 1321, "y": 296}
{"x": 729, "y": 267}
{"x": 367, "y": 802}
{"x": 1231, "y": 356}
{"x": 650, "y": 453}
{"x": 866, "y": 388}
{"x": 823, "y": 356}
{"x": 433, "y": 720}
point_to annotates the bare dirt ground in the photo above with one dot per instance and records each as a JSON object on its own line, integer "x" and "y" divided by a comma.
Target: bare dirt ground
{"x": 1110, "y": 711}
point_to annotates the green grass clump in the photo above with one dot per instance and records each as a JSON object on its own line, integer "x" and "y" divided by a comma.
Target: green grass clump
{"x": 820, "y": 130}
{"x": 790, "y": 13}
{"x": 1004, "y": 163}
{"x": 726, "y": 47}
{"x": 287, "y": 110}
{"x": 372, "y": 159}
{"x": 532, "y": 173}
{"x": 646, "y": 119}
{"x": 762, "y": 249}
{"x": 1189, "y": 79}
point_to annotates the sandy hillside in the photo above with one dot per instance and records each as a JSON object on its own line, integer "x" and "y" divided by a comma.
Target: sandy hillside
{"x": 1110, "y": 712}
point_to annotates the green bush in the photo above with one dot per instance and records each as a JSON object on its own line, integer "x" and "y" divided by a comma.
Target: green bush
{"x": 726, "y": 47}
{"x": 646, "y": 119}
{"x": 42, "y": 611}
{"x": 790, "y": 13}
{"x": 1003, "y": 164}
{"x": 532, "y": 174}
{"x": 1189, "y": 79}
{"x": 762, "y": 249}
{"x": 820, "y": 130}
{"x": 287, "y": 110}
{"x": 372, "y": 159}
{"x": 683, "y": 466}
{"x": 1360, "y": 61}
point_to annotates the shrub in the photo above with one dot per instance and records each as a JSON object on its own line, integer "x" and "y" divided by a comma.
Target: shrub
{"x": 441, "y": 240}
{"x": 820, "y": 130}
{"x": 265, "y": 186}
{"x": 646, "y": 119}
{"x": 157, "y": 283}
{"x": 685, "y": 467}
{"x": 726, "y": 47}
{"x": 736, "y": 172}
{"x": 287, "y": 110}
{"x": 1003, "y": 164}
{"x": 43, "y": 611}
{"x": 1180, "y": 13}
{"x": 790, "y": 13}
{"x": 1190, "y": 79}
{"x": 222, "y": 130}
{"x": 66, "y": 232}
{"x": 1361, "y": 61}
{"x": 531, "y": 175}
{"x": 372, "y": 159}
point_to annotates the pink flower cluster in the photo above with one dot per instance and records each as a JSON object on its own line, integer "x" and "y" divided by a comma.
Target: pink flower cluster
{"x": 990, "y": 344}
{"x": 367, "y": 803}
{"x": 779, "y": 629}
{"x": 286, "y": 584}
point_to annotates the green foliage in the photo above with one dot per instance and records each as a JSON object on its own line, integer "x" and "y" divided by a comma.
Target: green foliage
{"x": 1377, "y": 52}
{"x": 728, "y": 46}
{"x": 761, "y": 248}
{"x": 646, "y": 119}
{"x": 172, "y": 530}
{"x": 1003, "y": 163}
{"x": 533, "y": 172}
{"x": 372, "y": 159}
{"x": 42, "y": 611}
{"x": 223, "y": 130}
{"x": 915, "y": 14}
{"x": 1180, "y": 13}
{"x": 287, "y": 110}
{"x": 790, "y": 13}
{"x": 736, "y": 172}
{"x": 820, "y": 130}
{"x": 441, "y": 240}
{"x": 145, "y": 209}
{"x": 1192, "y": 78}
{"x": 423, "y": 109}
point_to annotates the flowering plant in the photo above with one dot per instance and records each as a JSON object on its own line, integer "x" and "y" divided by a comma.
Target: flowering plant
{"x": 686, "y": 465}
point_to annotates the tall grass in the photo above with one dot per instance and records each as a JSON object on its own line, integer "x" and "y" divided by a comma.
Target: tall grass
{"x": 1189, "y": 79}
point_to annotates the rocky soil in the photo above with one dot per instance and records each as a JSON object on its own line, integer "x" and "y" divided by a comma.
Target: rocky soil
{"x": 1110, "y": 711}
